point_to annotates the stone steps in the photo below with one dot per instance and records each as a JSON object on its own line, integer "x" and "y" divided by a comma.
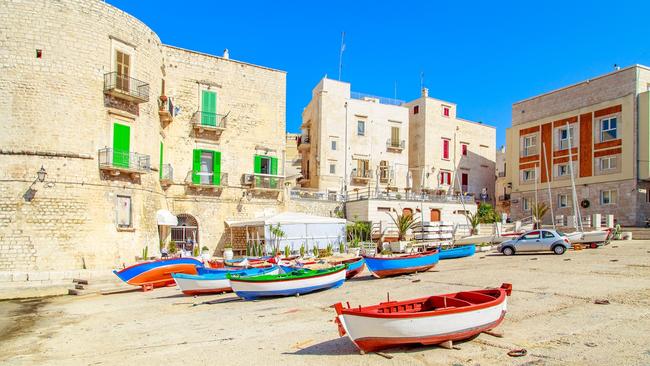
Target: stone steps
{"x": 84, "y": 287}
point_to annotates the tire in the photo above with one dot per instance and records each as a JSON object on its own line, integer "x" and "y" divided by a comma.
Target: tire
{"x": 508, "y": 251}
{"x": 559, "y": 249}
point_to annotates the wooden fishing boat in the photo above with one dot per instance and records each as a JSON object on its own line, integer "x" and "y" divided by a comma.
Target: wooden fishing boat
{"x": 428, "y": 320}
{"x": 215, "y": 281}
{"x": 592, "y": 238}
{"x": 157, "y": 273}
{"x": 392, "y": 266}
{"x": 354, "y": 266}
{"x": 458, "y": 252}
{"x": 297, "y": 282}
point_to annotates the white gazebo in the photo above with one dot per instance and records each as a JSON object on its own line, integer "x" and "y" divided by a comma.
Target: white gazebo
{"x": 299, "y": 228}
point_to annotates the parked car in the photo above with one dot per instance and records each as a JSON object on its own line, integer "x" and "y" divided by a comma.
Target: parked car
{"x": 536, "y": 241}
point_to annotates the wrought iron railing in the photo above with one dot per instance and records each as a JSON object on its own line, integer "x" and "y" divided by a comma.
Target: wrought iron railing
{"x": 166, "y": 105}
{"x": 504, "y": 197}
{"x": 363, "y": 194}
{"x": 205, "y": 179}
{"x": 126, "y": 85}
{"x": 263, "y": 181}
{"x": 304, "y": 139}
{"x": 395, "y": 144}
{"x": 123, "y": 160}
{"x": 209, "y": 119}
{"x": 306, "y": 194}
{"x": 361, "y": 174}
{"x": 167, "y": 173}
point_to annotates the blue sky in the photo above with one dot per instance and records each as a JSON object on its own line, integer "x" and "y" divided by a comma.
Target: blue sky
{"x": 482, "y": 55}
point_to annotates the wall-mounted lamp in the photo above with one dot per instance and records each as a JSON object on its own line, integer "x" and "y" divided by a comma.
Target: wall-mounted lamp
{"x": 41, "y": 174}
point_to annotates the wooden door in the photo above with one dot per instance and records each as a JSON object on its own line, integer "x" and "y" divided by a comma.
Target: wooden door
{"x": 435, "y": 215}
{"x": 123, "y": 65}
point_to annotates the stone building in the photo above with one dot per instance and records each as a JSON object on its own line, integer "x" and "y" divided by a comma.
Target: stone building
{"x": 502, "y": 187}
{"x": 352, "y": 141}
{"x": 448, "y": 154}
{"x": 124, "y": 126}
{"x": 293, "y": 160}
{"x": 596, "y": 131}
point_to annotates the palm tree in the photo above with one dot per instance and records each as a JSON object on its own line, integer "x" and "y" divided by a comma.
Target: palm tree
{"x": 404, "y": 223}
{"x": 474, "y": 220}
{"x": 538, "y": 211}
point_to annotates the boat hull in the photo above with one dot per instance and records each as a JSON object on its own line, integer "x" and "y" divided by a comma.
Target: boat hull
{"x": 399, "y": 324}
{"x": 589, "y": 237}
{"x": 158, "y": 273}
{"x": 393, "y": 266}
{"x": 251, "y": 290}
{"x": 215, "y": 282}
{"x": 460, "y": 252}
{"x": 355, "y": 268}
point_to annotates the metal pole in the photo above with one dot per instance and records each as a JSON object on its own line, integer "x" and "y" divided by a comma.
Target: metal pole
{"x": 341, "y": 54}
{"x": 548, "y": 184}
{"x": 576, "y": 210}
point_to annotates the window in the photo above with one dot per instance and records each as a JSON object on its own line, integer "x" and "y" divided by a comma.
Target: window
{"x": 332, "y": 168}
{"x": 529, "y": 145}
{"x": 123, "y": 69}
{"x": 333, "y": 144}
{"x": 464, "y": 181}
{"x": 445, "y": 110}
{"x": 608, "y": 163}
{"x": 564, "y": 133}
{"x": 562, "y": 170}
{"x": 608, "y": 129}
{"x": 445, "y": 149}
{"x": 416, "y": 109}
{"x": 361, "y": 128}
{"x": 124, "y": 212}
{"x": 531, "y": 236}
{"x": 547, "y": 235}
{"x": 463, "y": 149}
{"x": 209, "y": 108}
{"x": 528, "y": 175}
{"x": 383, "y": 171}
{"x": 445, "y": 178}
{"x": 562, "y": 200}
{"x": 525, "y": 204}
{"x": 608, "y": 197}
{"x": 363, "y": 168}
{"x": 206, "y": 167}
{"x": 394, "y": 136}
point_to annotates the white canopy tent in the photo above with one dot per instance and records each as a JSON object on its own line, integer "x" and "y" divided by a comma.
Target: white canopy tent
{"x": 299, "y": 228}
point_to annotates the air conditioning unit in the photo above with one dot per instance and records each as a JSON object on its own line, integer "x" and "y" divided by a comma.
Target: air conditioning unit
{"x": 247, "y": 179}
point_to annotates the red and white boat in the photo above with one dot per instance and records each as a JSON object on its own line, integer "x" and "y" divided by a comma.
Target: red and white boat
{"x": 428, "y": 320}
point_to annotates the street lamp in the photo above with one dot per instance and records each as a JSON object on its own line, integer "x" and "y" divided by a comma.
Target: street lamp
{"x": 41, "y": 173}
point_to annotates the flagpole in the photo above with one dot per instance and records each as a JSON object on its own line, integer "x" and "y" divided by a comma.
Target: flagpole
{"x": 341, "y": 54}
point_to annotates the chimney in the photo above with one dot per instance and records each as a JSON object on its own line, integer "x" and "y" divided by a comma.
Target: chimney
{"x": 226, "y": 54}
{"x": 425, "y": 92}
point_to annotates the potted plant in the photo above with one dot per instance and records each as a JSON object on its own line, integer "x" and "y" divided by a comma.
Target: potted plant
{"x": 315, "y": 251}
{"x": 287, "y": 251}
{"x": 474, "y": 220}
{"x": 302, "y": 250}
{"x": 205, "y": 253}
{"x": 341, "y": 247}
{"x": 403, "y": 223}
{"x": 172, "y": 248}
{"x": 227, "y": 251}
{"x": 354, "y": 248}
{"x": 539, "y": 211}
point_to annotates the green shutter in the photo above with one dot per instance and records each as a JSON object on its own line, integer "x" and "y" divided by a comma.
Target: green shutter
{"x": 208, "y": 108}
{"x": 258, "y": 164}
{"x": 160, "y": 168}
{"x": 121, "y": 145}
{"x": 216, "y": 168}
{"x": 196, "y": 166}
{"x": 274, "y": 171}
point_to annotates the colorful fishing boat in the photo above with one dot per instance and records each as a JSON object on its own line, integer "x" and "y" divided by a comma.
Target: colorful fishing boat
{"x": 157, "y": 273}
{"x": 391, "y": 266}
{"x": 458, "y": 252}
{"x": 297, "y": 282}
{"x": 210, "y": 281}
{"x": 354, "y": 266}
{"x": 428, "y": 320}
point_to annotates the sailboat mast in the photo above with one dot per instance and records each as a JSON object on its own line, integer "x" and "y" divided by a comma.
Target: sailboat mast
{"x": 548, "y": 184}
{"x": 576, "y": 210}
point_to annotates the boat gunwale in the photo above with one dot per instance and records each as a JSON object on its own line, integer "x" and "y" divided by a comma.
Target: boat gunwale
{"x": 410, "y": 256}
{"x": 158, "y": 260}
{"x": 256, "y": 279}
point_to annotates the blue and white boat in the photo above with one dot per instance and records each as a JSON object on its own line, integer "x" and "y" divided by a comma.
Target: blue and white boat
{"x": 391, "y": 266}
{"x": 458, "y": 252}
{"x": 210, "y": 281}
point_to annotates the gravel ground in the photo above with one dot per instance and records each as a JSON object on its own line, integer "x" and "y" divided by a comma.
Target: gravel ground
{"x": 551, "y": 314}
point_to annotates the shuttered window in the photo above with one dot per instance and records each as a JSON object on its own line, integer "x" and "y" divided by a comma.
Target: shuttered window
{"x": 206, "y": 167}
{"x": 208, "y": 108}
{"x": 445, "y": 149}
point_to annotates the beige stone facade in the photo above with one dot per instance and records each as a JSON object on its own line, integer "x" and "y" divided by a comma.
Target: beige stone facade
{"x": 502, "y": 188}
{"x": 293, "y": 159}
{"x": 607, "y": 148}
{"x": 449, "y": 154}
{"x": 68, "y": 104}
{"x": 352, "y": 141}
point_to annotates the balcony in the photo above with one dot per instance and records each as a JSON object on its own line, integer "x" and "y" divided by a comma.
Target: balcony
{"x": 204, "y": 181}
{"x": 395, "y": 145}
{"x": 504, "y": 197}
{"x": 263, "y": 182}
{"x": 361, "y": 176}
{"x": 304, "y": 142}
{"x": 386, "y": 175}
{"x": 166, "y": 175}
{"x": 125, "y": 87}
{"x": 208, "y": 123}
{"x": 116, "y": 162}
{"x": 165, "y": 109}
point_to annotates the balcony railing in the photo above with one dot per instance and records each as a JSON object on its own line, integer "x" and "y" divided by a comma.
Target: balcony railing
{"x": 125, "y": 87}
{"x": 304, "y": 141}
{"x": 165, "y": 109}
{"x": 364, "y": 194}
{"x": 361, "y": 175}
{"x": 209, "y": 120}
{"x": 306, "y": 194}
{"x": 382, "y": 100}
{"x": 126, "y": 161}
{"x": 504, "y": 197}
{"x": 204, "y": 180}
{"x": 166, "y": 174}
{"x": 501, "y": 174}
{"x": 395, "y": 144}
{"x": 263, "y": 181}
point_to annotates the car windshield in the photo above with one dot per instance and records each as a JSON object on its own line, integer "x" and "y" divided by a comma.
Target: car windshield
{"x": 559, "y": 233}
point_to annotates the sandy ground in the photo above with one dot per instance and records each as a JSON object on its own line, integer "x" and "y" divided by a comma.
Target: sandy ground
{"x": 551, "y": 313}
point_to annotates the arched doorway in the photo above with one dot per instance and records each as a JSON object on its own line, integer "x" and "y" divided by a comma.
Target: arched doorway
{"x": 186, "y": 233}
{"x": 407, "y": 212}
{"x": 435, "y": 215}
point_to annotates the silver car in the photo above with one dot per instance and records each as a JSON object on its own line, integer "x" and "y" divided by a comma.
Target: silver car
{"x": 536, "y": 241}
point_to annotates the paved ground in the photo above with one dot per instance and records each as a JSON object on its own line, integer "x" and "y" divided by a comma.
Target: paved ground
{"x": 551, "y": 313}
